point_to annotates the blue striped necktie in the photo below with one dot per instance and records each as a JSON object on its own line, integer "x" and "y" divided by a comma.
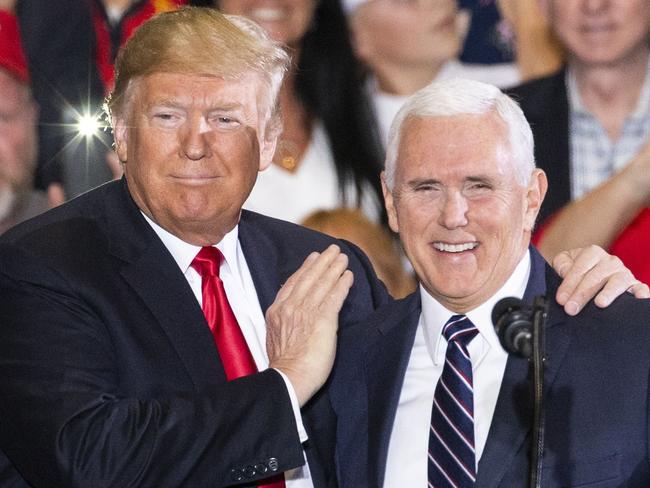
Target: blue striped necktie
{"x": 452, "y": 459}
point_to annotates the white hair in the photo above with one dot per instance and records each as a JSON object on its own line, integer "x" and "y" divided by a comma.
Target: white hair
{"x": 350, "y": 6}
{"x": 465, "y": 97}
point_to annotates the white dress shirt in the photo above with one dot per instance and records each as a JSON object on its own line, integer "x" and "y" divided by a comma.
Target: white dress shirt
{"x": 407, "y": 463}
{"x": 242, "y": 296}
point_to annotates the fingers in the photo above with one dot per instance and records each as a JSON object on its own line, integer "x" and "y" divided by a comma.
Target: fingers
{"x": 591, "y": 272}
{"x": 316, "y": 278}
{"x": 339, "y": 292}
{"x": 287, "y": 289}
{"x": 302, "y": 322}
{"x": 639, "y": 290}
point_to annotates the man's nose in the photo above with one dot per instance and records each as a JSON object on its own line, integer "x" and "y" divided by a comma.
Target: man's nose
{"x": 453, "y": 213}
{"x": 195, "y": 143}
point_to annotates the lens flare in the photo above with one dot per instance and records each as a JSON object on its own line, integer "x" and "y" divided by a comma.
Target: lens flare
{"x": 88, "y": 125}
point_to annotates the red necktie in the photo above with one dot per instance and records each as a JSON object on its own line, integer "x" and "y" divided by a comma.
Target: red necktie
{"x": 234, "y": 353}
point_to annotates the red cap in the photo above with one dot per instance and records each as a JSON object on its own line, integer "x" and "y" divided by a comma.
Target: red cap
{"x": 12, "y": 57}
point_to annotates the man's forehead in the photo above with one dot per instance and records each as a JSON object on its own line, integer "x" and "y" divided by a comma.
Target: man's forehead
{"x": 188, "y": 86}
{"x": 470, "y": 144}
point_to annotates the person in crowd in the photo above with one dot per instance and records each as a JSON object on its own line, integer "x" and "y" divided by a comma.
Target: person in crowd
{"x": 503, "y": 31}
{"x": 153, "y": 333}
{"x": 407, "y": 45}
{"x": 114, "y": 22}
{"x": 329, "y": 154}
{"x": 57, "y": 38}
{"x": 374, "y": 240}
{"x": 591, "y": 122}
{"x": 18, "y": 141}
{"x": 423, "y": 390}
{"x": 82, "y": 37}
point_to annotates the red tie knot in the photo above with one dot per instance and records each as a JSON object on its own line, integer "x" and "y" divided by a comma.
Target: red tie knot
{"x": 207, "y": 261}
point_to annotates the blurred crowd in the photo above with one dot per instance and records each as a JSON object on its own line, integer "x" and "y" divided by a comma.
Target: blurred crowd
{"x": 579, "y": 69}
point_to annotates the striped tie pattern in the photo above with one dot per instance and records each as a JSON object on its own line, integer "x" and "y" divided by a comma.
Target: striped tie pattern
{"x": 452, "y": 460}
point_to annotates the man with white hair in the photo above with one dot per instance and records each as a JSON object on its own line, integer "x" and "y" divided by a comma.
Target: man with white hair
{"x": 423, "y": 390}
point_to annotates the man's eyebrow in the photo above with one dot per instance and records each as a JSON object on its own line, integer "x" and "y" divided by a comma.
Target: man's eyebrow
{"x": 422, "y": 181}
{"x": 479, "y": 179}
{"x": 172, "y": 102}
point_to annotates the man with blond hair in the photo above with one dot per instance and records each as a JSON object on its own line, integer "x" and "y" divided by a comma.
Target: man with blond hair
{"x": 122, "y": 355}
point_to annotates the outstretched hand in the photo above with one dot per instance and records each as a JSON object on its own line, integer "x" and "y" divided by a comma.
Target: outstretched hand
{"x": 302, "y": 322}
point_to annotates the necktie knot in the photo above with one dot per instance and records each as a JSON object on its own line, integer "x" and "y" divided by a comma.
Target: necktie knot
{"x": 207, "y": 261}
{"x": 459, "y": 329}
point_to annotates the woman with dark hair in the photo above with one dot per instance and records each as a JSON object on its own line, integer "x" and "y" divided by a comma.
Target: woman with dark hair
{"x": 330, "y": 153}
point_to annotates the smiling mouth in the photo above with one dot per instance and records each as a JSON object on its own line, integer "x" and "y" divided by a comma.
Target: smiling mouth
{"x": 455, "y": 248}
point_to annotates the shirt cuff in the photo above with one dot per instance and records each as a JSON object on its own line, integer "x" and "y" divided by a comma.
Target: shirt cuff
{"x": 302, "y": 433}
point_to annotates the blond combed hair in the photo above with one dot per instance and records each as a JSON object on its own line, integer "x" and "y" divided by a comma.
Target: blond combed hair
{"x": 199, "y": 41}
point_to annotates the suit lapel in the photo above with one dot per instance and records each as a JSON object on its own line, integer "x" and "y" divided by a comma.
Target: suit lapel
{"x": 154, "y": 275}
{"x": 514, "y": 409}
{"x": 263, "y": 260}
{"x": 390, "y": 343}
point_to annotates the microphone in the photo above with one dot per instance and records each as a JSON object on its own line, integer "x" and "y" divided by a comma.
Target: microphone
{"x": 513, "y": 322}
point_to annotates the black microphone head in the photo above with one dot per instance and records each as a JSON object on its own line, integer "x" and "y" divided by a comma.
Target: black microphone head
{"x": 505, "y": 305}
{"x": 512, "y": 320}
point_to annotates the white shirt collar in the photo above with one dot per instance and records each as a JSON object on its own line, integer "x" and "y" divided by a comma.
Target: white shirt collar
{"x": 183, "y": 252}
{"x": 434, "y": 315}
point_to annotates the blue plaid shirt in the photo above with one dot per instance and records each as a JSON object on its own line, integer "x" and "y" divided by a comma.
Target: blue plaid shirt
{"x": 594, "y": 156}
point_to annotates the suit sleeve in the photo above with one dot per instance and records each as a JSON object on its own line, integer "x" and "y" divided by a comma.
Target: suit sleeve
{"x": 368, "y": 292}
{"x": 67, "y": 421}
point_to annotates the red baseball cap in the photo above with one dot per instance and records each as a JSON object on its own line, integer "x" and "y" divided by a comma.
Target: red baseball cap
{"x": 12, "y": 57}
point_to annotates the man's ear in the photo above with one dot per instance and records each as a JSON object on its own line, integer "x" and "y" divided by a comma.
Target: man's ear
{"x": 120, "y": 132}
{"x": 267, "y": 150}
{"x": 534, "y": 197}
{"x": 390, "y": 204}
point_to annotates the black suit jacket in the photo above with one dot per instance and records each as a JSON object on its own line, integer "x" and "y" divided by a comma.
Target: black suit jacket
{"x": 545, "y": 104}
{"x": 108, "y": 373}
{"x": 597, "y": 373}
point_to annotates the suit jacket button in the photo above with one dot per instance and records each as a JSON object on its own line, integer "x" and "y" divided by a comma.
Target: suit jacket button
{"x": 249, "y": 471}
{"x": 236, "y": 474}
{"x": 261, "y": 468}
{"x": 273, "y": 464}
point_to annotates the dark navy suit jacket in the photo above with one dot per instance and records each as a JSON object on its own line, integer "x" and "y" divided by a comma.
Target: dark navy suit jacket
{"x": 597, "y": 373}
{"x": 108, "y": 373}
{"x": 545, "y": 104}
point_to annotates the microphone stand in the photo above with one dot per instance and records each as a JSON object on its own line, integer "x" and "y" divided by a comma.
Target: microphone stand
{"x": 540, "y": 308}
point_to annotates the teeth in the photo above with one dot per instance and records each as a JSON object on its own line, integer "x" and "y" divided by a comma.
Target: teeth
{"x": 441, "y": 246}
{"x": 267, "y": 14}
